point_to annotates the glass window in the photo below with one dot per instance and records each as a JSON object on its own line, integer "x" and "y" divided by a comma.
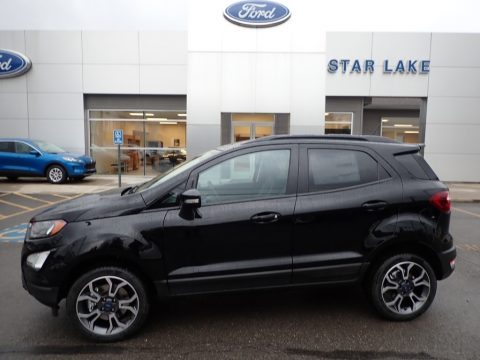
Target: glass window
{"x": 250, "y": 176}
{"x": 411, "y": 163}
{"x": 49, "y": 147}
{"x": 154, "y": 141}
{"x": 338, "y": 123}
{"x": 22, "y": 148}
{"x": 7, "y": 146}
{"x": 171, "y": 198}
{"x": 406, "y": 130}
{"x": 332, "y": 169}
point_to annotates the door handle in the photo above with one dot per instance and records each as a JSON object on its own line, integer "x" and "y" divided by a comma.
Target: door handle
{"x": 374, "y": 205}
{"x": 265, "y": 218}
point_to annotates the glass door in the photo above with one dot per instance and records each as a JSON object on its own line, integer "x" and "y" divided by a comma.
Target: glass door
{"x": 251, "y": 126}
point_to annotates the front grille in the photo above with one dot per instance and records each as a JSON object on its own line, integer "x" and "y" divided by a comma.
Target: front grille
{"x": 90, "y": 166}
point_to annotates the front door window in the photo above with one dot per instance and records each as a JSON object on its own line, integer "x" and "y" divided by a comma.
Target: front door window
{"x": 261, "y": 174}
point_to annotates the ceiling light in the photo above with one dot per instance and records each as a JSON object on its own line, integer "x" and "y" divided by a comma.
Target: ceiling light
{"x": 326, "y": 114}
{"x": 149, "y": 114}
{"x": 158, "y": 119}
{"x": 136, "y": 113}
{"x": 168, "y": 123}
{"x": 385, "y": 120}
{"x": 411, "y": 132}
{"x": 182, "y": 114}
{"x": 402, "y": 125}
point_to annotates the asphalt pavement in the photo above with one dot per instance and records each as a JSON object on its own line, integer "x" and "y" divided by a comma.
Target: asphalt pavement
{"x": 321, "y": 323}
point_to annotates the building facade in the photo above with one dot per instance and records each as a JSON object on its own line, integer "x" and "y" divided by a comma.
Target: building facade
{"x": 183, "y": 91}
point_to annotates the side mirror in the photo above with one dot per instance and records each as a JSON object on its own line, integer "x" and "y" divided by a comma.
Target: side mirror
{"x": 190, "y": 201}
{"x": 34, "y": 152}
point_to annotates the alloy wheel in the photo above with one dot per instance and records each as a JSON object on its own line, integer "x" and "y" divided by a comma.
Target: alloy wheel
{"x": 405, "y": 288}
{"x": 55, "y": 174}
{"x": 107, "y": 305}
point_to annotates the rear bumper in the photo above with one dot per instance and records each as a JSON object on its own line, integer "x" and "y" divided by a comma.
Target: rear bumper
{"x": 447, "y": 262}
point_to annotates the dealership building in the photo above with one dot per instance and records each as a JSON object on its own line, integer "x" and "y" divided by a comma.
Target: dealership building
{"x": 196, "y": 86}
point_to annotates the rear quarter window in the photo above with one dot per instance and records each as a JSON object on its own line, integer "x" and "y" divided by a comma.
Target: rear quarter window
{"x": 416, "y": 166}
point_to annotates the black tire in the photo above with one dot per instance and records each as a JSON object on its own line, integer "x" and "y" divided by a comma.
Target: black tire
{"x": 56, "y": 174}
{"x": 412, "y": 296}
{"x": 12, "y": 178}
{"x": 77, "y": 304}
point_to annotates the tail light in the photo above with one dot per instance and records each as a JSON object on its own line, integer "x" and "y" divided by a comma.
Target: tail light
{"x": 441, "y": 201}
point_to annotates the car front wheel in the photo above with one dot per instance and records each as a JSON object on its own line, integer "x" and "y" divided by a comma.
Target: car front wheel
{"x": 108, "y": 304}
{"x": 56, "y": 174}
{"x": 403, "y": 287}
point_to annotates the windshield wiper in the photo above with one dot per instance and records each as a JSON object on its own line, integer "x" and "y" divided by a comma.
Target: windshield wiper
{"x": 129, "y": 190}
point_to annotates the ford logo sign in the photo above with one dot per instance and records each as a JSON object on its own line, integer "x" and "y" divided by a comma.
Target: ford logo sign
{"x": 257, "y": 13}
{"x": 13, "y": 64}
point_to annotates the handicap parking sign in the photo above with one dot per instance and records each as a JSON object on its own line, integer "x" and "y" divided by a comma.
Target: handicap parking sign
{"x": 118, "y": 137}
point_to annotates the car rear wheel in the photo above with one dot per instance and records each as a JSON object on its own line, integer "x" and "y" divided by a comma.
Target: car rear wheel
{"x": 12, "y": 178}
{"x": 403, "y": 287}
{"x": 56, "y": 174}
{"x": 108, "y": 304}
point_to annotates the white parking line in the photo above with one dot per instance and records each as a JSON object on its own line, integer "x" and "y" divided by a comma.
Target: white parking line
{"x": 33, "y": 198}
{"x": 466, "y": 212}
{"x": 16, "y": 205}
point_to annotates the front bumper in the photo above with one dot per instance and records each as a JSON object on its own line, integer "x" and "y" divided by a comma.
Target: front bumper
{"x": 47, "y": 295}
{"x": 40, "y": 283}
{"x": 78, "y": 169}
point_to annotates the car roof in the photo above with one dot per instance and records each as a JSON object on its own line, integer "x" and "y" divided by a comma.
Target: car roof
{"x": 370, "y": 141}
{"x": 18, "y": 139}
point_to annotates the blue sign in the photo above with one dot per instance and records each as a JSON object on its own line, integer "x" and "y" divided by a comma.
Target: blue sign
{"x": 257, "y": 13}
{"x": 118, "y": 137}
{"x": 13, "y": 64}
{"x": 389, "y": 67}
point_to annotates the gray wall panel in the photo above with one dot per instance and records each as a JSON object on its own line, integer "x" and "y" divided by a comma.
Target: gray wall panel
{"x": 134, "y": 102}
{"x": 346, "y": 104}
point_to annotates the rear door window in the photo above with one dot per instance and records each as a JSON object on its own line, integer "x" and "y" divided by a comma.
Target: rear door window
{"x": 7, "y": 146}
{"x": 330, "y": 169}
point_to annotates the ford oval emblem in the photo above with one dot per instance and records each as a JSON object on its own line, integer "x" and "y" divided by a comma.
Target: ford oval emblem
{"x": 257, "y": 13}
{"x": 13, "y": 64}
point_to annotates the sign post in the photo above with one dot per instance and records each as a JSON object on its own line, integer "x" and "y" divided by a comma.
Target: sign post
{"x": 118, "y": 140}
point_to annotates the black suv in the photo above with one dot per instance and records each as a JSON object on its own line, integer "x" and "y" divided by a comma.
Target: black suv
{"x": 274, "y": 212}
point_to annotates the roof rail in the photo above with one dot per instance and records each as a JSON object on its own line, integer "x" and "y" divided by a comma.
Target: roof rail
{"x": 370, "y": 138}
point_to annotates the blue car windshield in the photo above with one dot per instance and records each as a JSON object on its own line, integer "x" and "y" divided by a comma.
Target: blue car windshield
{"x": 48, "y": 147}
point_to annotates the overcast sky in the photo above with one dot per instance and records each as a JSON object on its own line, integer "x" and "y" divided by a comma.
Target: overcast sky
{"x": 339, "y": 15}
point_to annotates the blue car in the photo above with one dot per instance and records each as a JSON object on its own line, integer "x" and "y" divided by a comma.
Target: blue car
{"x": 26, "y": 157}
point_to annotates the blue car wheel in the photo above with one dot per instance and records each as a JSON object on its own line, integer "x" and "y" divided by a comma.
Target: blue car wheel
{"x": 56, "y": 174}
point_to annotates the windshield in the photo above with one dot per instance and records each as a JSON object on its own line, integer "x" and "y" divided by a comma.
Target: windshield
{"x": 49, "y": 147}
{"x": 186, "y": 166}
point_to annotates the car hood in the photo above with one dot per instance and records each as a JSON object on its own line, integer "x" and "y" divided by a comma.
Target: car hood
{"x": 92, "y": 207}
{"x": 85, "y": 158}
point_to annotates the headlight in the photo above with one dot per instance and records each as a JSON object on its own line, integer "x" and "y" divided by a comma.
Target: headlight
{"x": 44, "y": 229}
{"x": 71, "y": 159}
{"x": 36, "y": 261}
